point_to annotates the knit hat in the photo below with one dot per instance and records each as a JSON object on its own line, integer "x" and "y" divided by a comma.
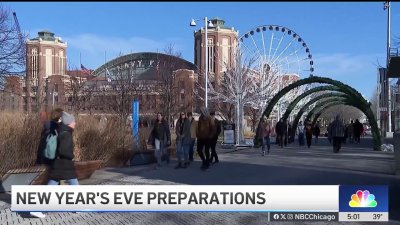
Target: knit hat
{"x": 67, "y": 118}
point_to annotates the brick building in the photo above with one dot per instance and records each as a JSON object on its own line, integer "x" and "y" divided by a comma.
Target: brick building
{"x": 45, "y": 63}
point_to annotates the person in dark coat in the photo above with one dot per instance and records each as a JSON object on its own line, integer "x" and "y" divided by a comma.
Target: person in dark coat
{"x": 49, "y": 127}
{"x": 280, "y": 132}
{"x": 317, "y": 132}
{"x": 357, "y": 129}
{"x": 337, "y": 130}
{"x": 160, "y": 138}
{"x": 204, "y": 133}
{"x": 183, "y": 141}
{"x": 63, "y": 167}
{"x": 214, "y": 139}
{"x": 309, "y": 132}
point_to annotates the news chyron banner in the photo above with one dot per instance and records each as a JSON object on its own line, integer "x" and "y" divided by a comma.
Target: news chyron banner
{"x": 279, "y": 202}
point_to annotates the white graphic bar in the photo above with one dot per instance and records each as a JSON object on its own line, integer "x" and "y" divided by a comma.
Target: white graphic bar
{"x": 302, "y": 198}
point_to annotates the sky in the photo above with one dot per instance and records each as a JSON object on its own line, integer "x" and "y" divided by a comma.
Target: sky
{"x": 347, "y": 39}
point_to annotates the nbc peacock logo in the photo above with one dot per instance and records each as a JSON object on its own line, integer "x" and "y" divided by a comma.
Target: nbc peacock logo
{"x": 363, "y": 199}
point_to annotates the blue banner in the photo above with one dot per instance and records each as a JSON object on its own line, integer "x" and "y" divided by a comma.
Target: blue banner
{"x": 135, "y": 122}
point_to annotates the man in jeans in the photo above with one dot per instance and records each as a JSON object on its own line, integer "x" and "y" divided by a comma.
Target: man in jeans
{"x": 183, "y": 141}
{"x": 265, "y": 130}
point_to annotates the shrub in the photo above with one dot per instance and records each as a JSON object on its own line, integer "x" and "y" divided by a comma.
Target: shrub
{"x": 111, "y": 141}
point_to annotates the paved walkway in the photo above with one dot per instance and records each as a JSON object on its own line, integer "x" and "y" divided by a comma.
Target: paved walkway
{"x": 355, "y": 164}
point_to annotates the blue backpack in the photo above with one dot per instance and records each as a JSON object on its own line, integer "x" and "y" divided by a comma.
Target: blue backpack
{"x": 51, "y": 146}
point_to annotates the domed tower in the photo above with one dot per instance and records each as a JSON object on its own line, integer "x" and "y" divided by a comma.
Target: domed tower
{"x": 221, "y": 43}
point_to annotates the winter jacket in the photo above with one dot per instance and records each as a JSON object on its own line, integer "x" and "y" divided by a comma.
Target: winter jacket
{"x": 308, "y": 129}
{"x": 265, "y": 129}
{"x": 205, "y": 128}
{"x": 63, "y": 167}
{"x": 164, "y": 135}
{"x": 280, "y": 128}
{"x": 49, "y": 127}
{"x": 187, "y": 137}
{"x": 337, "y": 129}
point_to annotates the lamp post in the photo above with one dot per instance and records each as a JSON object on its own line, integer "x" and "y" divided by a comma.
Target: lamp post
{"x": 386, "y": 5}
{"x": 206, "y": 25}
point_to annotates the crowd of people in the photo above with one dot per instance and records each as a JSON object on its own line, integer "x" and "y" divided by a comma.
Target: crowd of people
{"x": 337, "y": 133}
{"x": 206, "y": 130}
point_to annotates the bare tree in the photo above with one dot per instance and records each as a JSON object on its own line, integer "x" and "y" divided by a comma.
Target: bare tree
{"x": 167, "y": 65}
{"x": 254, "y": 114}
{"x": 244, "y": 84}
{"x": 76, "y": 91}
{"x": 12, "y": 53}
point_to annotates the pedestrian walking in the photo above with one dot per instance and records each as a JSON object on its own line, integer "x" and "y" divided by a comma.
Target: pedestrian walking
{"x": 265, "y": 132}
{"x": 50, "y": 126}
{"x": 214, "y": 139}
{"x": 350, "y": 132}
{"x": 63, "y": 168}
{"x": 160, "y": 138}
{"x": 337, "y": 130}
{"x": 204, "y": 134}
{"x": 317, "y": 132}
{"x": 183, "y": 141}
{"x": 300, "y": 133}
{"x": 358, "y": 129}
{"x": 280, "y": 132}
{"x": 309, "y": 132}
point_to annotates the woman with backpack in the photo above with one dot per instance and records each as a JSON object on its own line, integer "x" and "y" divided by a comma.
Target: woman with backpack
{"x": 63, "y": 167}
{"x": 49, "y": 129}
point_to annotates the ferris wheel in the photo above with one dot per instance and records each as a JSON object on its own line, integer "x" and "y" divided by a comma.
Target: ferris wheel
{"x": 279, "y": 55}
{"x": 278, "y": 48}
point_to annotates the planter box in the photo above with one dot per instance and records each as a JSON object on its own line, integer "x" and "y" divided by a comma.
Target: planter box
{"x": 85, "y": 169}
{"x": 38, "y": 175}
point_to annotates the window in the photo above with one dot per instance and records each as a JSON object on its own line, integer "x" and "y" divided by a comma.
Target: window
{"x": 181, "y": 83}
{"x": 56, "y": 87}
{"x": 210, "y": 57}
{"x": 61, "y": 62}
{"x": 34, "y": 62}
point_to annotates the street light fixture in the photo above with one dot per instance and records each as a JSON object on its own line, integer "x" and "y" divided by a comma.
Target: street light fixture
{"x": 207, "y": 23}
{"x": 386, "y": 6}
